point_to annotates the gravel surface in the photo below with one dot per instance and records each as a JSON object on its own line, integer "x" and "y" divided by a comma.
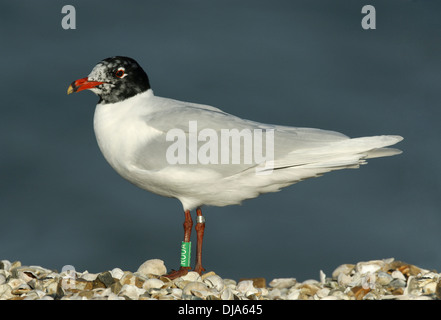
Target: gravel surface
{"x": 370, "y": 280}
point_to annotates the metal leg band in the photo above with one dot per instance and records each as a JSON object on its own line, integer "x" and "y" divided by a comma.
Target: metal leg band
{"x": 200, "y": 219}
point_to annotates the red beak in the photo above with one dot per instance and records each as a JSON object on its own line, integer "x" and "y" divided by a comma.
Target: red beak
{"x": 82, "y": 84}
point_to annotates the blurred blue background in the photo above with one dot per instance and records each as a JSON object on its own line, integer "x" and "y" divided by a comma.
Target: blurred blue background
{"x": 298, "y": 63}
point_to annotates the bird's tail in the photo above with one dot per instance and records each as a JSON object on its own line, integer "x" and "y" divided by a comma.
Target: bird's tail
{"x": 343, "y": 153}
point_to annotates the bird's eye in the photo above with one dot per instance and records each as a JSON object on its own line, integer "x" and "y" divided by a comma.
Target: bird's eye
{"x": 119, "y": 73}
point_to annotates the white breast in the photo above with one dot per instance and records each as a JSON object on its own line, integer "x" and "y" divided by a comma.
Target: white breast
{"x": 120, "y": 130}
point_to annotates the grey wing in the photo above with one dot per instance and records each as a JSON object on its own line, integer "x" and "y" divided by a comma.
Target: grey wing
{"x": 214, "y": 138}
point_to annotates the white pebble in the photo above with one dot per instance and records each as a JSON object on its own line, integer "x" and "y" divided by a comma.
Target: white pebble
{"x": 227, "y": 294}
{"x": 114, "y": 296}
{"x": 176, "y": 292}
{"x": 152, "y": 284}
{"x": 369, "y": 267}
{"x": 16, "y": 283}
{"x": 322, "y": 277}
{"x": 324, "y": 292}
{"x": 130, "y": 291}
{"x": 383, "y": 278}
{"x": 246, "y": 287}
{"x": 6, "y": 264}
{"x": 117, "y": 273}
{"x": 2, "y": 279}
{"x": 191, "y": 276}
{"x": 88, "y": 276}
{"x": 398, "y": 275}
{"x": 430, "y": 288}
{"x": 215, "y": 282}
{"x": 281, "y": 283}
{"x": 5, "y": 292}
{"x": 230, "y": 283}
{"x": 275, "y": 294}
{"x": 293, "y": 295}
{"x": 197, "y": 288}
{"x": 153, "y": 266}
{"x": 338, "y": 295}
{"x": 343, "y": 279}
{"x": 344, "y": 268}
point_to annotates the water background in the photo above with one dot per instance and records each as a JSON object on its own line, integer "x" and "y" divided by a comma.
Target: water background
{"x": 299, "y": 63}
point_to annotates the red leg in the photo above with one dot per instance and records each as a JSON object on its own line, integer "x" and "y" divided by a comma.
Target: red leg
{"x": 200, "y": 227}
{"x": 188, "y": 224}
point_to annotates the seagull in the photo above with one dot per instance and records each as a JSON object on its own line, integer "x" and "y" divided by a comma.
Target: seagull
{"x": 203, "y": 156}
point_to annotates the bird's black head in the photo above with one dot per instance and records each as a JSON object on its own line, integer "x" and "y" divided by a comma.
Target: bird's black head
{"x": 114, "y": 79}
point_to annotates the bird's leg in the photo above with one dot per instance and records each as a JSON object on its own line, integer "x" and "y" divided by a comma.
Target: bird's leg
{"x": 200, "y": 227}
{"x": 188, "y": 224}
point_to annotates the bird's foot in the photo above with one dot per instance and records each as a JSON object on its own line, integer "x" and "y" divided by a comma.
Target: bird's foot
{"x": 177, "y": 273}
{"x": 199, "y": 269}
{"x": 173, "y": 274}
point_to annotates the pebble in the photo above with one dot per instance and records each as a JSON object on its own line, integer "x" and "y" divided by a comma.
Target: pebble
{"x": 152, "y": 284}
{"x": 117, "y": 273}
{"x": 130, "y": 292}
{"x": 345, "y": 269}
{"x": 2, "y": 279}
{"x": 370, "y": 266}
{"x": 386, "y": 279}
{"x": 195, "y": 288}
{"x": 191, "y": 276}
{"x": 396, "y": 274}
{"x": 153, "y": 266}
{"x": 88, "y": 276}
{"x": 282, "y": 283}
{"x": 214, "y": 281}
{"x": 246, "y": 287}
{"x": 227, "y": 294}
{"x": 344, "y": 280}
